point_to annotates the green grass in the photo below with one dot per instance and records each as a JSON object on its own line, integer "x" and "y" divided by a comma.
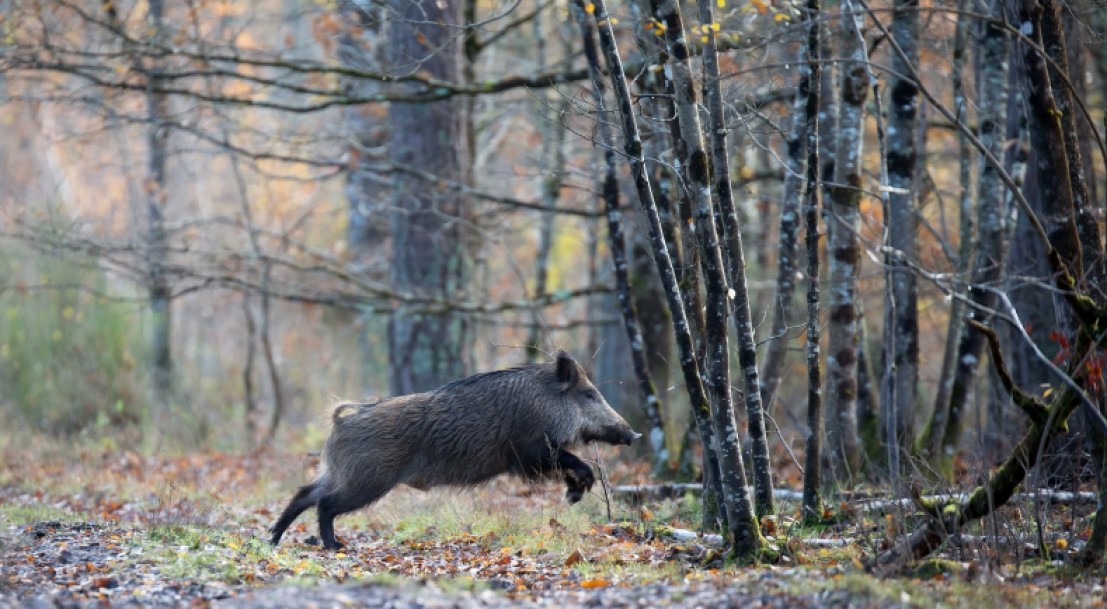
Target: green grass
{"x": 23, "y": 515}
{"x": 68, "y": 358}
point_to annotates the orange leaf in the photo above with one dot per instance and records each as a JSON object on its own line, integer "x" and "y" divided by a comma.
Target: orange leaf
{"x": 594, "y": 583}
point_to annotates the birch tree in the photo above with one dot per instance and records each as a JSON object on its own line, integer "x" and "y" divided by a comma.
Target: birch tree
{"x": 735, "y": 263}
{"x": 812, "y": 504}
{"x": 844, "y": 251}
{"x": 991, "y": 242}
{"x": 901, "y": 314}
{"x": 742, "y": 524}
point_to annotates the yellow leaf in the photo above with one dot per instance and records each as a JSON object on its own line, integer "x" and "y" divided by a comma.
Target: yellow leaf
{"x": 760, "y": 6}
{"x": 703, "y": 39}
{"x": 781, "y": 17}
{"x": 715, "y": 27}
{"x": 589, "y": 8}
{"x": 721, "y": 3}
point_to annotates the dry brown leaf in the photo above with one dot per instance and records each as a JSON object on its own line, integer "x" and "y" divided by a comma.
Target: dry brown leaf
{"x": 574, "y": 558}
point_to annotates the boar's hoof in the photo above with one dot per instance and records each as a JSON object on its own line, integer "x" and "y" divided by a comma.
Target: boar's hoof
{"x": 579, "y": 481}
{"x": 574, "y": 494}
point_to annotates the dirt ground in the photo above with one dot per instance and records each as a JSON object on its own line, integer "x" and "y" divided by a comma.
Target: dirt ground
{"x": 113, "y": 528}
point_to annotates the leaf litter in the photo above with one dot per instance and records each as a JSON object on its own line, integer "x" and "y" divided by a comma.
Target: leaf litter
{"x": 122, "y": 529}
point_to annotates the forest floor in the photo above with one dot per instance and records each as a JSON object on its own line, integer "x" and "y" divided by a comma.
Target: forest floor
{"x": 110, "y": 527}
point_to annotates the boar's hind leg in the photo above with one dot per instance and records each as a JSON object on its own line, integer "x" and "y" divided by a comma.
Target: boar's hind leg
{"x": 578, "y": 475}
{"x": 302, "y": 500}
{"x": 336, "y": 504}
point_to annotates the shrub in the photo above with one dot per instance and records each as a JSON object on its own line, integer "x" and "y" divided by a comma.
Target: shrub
{"x": 66, "y": 354}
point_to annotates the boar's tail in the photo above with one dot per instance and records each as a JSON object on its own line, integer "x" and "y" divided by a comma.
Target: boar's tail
{"x": 348, "y": 408}
{"x": 343, "y": 410}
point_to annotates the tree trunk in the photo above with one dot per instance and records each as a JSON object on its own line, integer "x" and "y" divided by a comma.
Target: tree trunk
{"x": 431, "y": 249}
{"x": 745, "y": 530}
{"x": 675, "y": 210}
{"x": 991, "y": 243}
{"x": 736, "y": 500}
{"x": 1064, "y": 254}
{"x": 784, "y": 295}
{"x": 931, "y": 437}
{"x": 157, "y": 241}
{"x": 844, "y": 253}
{"x": 812, "y": 504}
{"x": 1060, "y": 80}
{"x": 674, "y": 460}
{"x": 367, "y": 129}
{"x": 736, "y": 264}
{"x": 902, "y": 158}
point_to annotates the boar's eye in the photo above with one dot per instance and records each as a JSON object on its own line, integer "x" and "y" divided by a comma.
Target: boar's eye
{"x": 589, "y": 394}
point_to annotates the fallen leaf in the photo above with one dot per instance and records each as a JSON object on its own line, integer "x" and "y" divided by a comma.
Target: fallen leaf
{"x": 574, "y": 558}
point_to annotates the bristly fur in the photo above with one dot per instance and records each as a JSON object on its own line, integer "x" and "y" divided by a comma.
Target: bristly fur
{"x": 519, "y": 420}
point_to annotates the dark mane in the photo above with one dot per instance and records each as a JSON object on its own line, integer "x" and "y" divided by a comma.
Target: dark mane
{"x": 481, "y": 377}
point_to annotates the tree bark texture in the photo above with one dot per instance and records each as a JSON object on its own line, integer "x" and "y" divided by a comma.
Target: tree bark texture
{"x": 844, "y": 253}
{"x": 812, "y": 504}
{"x": 696, "y": 171}
{"x": 431, "y": 248}
{"x": 736, "y": 265}
{"x": 1061, "y": 83}
{"x": 632, "y": 146}
{"x": 743, "y": 526}
{"x": 674, "y": 460}
{"x": 1048, "y": 143}
{"x": 784, "y": 294}
{"x": 991, "y": 242}
{"x": 736, "y": 500}
{"x": 1064, "y": 253}
{"x": 902, "y": 159}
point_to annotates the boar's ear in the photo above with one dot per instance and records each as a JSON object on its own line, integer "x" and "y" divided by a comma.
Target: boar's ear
{"x": 568, "y": 370}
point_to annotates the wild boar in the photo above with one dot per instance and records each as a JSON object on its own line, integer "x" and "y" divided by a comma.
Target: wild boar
{"x": 520, "y": 420}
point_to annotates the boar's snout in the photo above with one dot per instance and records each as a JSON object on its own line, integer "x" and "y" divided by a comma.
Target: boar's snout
{"x": 622, "y": 435}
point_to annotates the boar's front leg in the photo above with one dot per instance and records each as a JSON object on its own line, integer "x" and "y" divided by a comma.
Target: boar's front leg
{"x": 578, "y": 475}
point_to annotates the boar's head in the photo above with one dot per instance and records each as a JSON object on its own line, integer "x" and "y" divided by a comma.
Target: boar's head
{"x": 599, "y": 422}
